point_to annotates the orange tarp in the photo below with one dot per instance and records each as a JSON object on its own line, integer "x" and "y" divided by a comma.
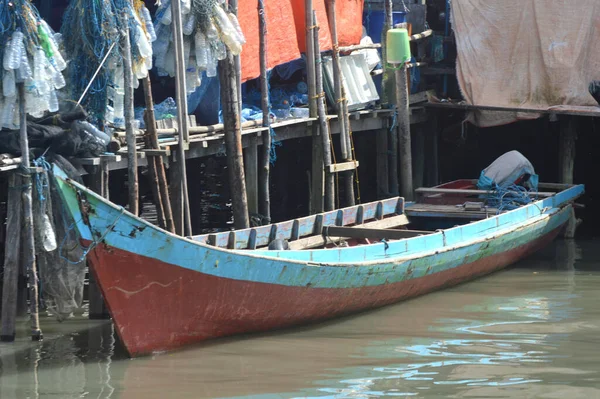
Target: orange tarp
{"x": 281, "y": 34}
{"x": 349, "y": 15}
{"x": 286, "y": 31}
{"x": 324, "y": 36}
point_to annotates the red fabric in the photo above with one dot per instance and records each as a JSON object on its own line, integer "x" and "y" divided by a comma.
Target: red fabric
{"x": 281, "y": 32}
{"x": 349, "y": 21}
{"x": 324, "y": 36}
{"x": 286, "y": 31}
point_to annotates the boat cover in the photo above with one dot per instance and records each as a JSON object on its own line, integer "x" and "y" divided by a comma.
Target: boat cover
{"x": 526, "y": 53}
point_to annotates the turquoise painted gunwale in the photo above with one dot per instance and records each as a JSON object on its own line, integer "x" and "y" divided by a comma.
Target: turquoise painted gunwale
{"x": 353, "y": 267}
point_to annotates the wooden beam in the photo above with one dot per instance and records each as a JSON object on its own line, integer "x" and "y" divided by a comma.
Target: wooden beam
{"x": 375, "y": 234}
{"x": 424, "y": 190}
{"x": 343, "y": 166}
{"x": 318, "y": 240}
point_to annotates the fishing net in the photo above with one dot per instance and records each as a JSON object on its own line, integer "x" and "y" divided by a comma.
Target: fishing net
{"x": 94, "y": 36}
{"x": 31, "y": 55}
{"x": 59, "y": 255}
{"x": 209, "y": 31}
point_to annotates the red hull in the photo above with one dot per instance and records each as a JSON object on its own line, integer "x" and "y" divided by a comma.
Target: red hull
{"x": 157, "y": 306}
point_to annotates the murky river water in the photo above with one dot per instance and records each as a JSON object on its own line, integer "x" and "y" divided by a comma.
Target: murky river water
{"x": 530, "y": 331}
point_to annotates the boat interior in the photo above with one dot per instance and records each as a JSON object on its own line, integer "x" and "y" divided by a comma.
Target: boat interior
{"x": 451, "y": 204}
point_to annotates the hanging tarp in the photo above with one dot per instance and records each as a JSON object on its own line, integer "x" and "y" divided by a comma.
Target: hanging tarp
{"x": 324, "y": 36}
{"x": 349, "y": 15}
{"x": 526, "y": 53}
{"x": 281, "y": 35}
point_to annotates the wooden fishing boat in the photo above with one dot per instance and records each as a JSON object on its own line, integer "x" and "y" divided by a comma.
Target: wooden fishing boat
{"x": 165, "y": 291}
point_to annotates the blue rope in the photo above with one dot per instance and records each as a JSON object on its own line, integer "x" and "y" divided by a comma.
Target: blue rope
{"x": 274, "y": 142}
{"x": 394, "y": 120}
{"x": 508, "y": 198}
{"x": 41, "y": 179}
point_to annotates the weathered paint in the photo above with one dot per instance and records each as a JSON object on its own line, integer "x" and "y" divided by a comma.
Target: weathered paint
{"x": 166, "y": 291}
{"x": 157, "y": 306}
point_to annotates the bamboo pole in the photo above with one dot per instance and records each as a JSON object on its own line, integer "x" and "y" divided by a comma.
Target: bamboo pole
{"x": 310, "y": 58}
{"x": 341, "y": 105}
{"x": 237, "y": 60}
{"x": 316, "y": 192}
{"x": 132, "y": 164}
{"x": 329, "y": 197}
{"x": 12, "y": 255}
{"x": 264, "y": 200}
{"x": 182, "y": 121}
{"x": 387, "y": 80}
{"x": 29, "y": 242}
{"x": 159, "y": 166}
{"x": 404, "y": 141}
{"x": 233, "y": 141}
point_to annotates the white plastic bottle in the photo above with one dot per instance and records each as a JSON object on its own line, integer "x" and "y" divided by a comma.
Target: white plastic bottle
{"x": 7, "y": 56}
{"x": 9, "y": 87}
{"x": 148, "y": 23}
{"x": 237, "y": 28}
{"x": 201, "y": 50}
{"x": 53, "y": 101}
{"x": 211, "y": 65}
{"x": 17, "y": 49}
{"x": 167, "y": 17}
{"x": 190, "y": 25}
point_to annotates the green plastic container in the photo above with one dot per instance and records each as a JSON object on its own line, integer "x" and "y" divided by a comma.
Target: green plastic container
{"x": 398, "y": 46}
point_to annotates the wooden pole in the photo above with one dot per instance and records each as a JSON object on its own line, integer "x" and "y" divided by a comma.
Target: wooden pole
{"x": 182, "y": 121}
{"x": 12, "y": 252}
{"x": 329, "y": 203}
{"x": 29, "y": 242}
{"x": 381, "y": 140}
{"x": 264, "y": 201}
{"x": 388, "y": 7}
{"x": 568, "y": 137}
{"x": 158, "y": 203}
{"x": 341, "y": 105}
{"x": 97, "y": 308}
{"x": 404, "y": 142}
{"x": 386, "y": 82}
{"x": 251, "y": 173}
{"x": 176, "y": 197}
{"x": 310, "y": 58}
{"x": 233, "y": 142}
{"x": 132, "y": 166}
{"x": 432, "y": 162}
{"x": 237, "y": 60}
{"x": 316, "y": 181}
{"x": 419, "y": 156}
{"x": 337, "y": 80}
{"x": 159, "y": 165}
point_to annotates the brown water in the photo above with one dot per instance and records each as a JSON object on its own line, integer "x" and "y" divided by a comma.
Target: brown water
{"x": 529, "y": 331}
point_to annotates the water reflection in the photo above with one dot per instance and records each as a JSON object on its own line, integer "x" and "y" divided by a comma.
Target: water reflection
{"x": 526, "y": 332}
{"x": 68, "y": 363}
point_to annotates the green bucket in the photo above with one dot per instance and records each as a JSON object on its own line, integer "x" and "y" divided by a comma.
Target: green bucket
{"x": 398, "y": 46}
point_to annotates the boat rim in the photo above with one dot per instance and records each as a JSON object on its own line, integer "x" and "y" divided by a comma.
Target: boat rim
{"x": 545, "y": 213}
